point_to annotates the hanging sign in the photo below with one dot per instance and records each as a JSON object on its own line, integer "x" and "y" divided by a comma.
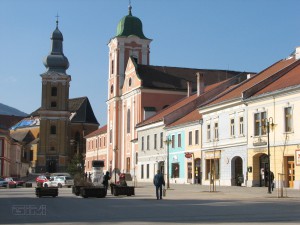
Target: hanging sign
{"x": 188, "y": 155}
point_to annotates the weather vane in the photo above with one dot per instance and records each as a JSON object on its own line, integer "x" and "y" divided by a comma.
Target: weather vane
{"x": 57, "y": 19}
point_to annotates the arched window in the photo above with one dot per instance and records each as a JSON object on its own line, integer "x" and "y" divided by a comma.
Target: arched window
{"x": 128, "y": 121}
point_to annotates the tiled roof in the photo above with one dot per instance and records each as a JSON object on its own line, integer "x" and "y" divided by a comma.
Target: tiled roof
{"x": 191, "y": 117}
{"x": 194, "y": 101}
{"x": 101, "y": 130}
{"x": 236, "y": 91}
{"x": 289, "y": 79}
{"x": 82, "y": 107}
{"x": 174, "y": 78}
{"x": 22, "y": 136}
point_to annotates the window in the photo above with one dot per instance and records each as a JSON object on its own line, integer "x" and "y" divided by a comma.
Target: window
{"x": 175, "y": 170}
{"x": 53, "y": 129}
{"x": 179, "y": 140}
{"x": 208, "y": 132}
{"x": 110, "y": 136}
{"x": 53, "y": 104}
{"x": 128, "y": 121}
{"x": 142, "y": 171}
{"x": 196, "y": 137}
{"x": 288, "y": 119}
{"x": 127, "y": 164}
{"x": 212, "y": 168}
{"x": 190, "y": 170}
{"x": 216, "y": 129}
{"x": 173, "y": 141}
{"x": 148, "y": 142}
{"x": 161, "y": 140}
{"x": 142, "y": 144}
{"x": 129, "y": 82}
{"x": 259, "y": 122}
{"x": 155, "y": 141}
{"x": 112, "y": 66}
{"x": 190, "y": 138}
{"x": 241, "y": 127}
{"x": 232, "y": 127}
{"x": 111, "y": 89}
{"x": 136, "y": 158}
{"x": 54, "y": 91}
{"x": 148, "y": 169}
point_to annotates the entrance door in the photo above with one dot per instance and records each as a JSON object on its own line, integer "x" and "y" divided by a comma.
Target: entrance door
{"x": 189, "y": 172}
{"x": 51, "y": 166}
{"x": 263, "y": 161}
{"x": 291, "y": 171}
{"x": 238, "y": 171}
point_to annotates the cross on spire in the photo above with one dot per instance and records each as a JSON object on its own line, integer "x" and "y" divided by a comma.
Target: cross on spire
{"x": 57, "y": 20}
{"x": 129, "y": 7}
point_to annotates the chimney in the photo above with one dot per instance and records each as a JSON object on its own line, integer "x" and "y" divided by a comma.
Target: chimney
{"x": 189, "y": 88}
{"x": 200, "y": 83}
{"x": 297, "y": 53}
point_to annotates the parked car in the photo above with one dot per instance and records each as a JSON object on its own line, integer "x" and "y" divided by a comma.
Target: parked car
{"x": 14, "y": 180}
{"x": 59, "y": 181}
{"x": 41, "y": 179}
{"x": 3, "y": 183}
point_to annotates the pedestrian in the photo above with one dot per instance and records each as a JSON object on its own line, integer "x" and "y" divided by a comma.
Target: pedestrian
{"x": 158, "y": 181}
{"x": 90, "y": 177}
{"x": 106, "y": 178}
{"x": 272, "y": 179}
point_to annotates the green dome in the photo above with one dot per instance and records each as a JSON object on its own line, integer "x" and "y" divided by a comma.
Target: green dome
{"x": 130, "y": 25}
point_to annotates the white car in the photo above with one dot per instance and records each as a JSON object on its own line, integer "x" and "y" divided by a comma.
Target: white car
{"x": 59, "y": 181}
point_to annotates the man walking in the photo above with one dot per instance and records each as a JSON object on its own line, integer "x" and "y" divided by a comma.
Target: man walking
{"x": 158, "y": 181}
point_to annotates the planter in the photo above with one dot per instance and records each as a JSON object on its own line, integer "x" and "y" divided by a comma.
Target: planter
{"x": 122, "y": 190}
{"x": 76, "y": 189}
{"x": 49, "y": 191}
{"x": 98, "y": 192}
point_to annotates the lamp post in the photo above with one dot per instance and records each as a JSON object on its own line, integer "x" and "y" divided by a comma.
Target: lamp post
{"x": 167, "y": 142}
{"x": 115, "y": 151}
{"x": 269, "y": 161}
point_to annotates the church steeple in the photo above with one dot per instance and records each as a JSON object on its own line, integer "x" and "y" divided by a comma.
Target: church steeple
{"x": 56, "y": 60}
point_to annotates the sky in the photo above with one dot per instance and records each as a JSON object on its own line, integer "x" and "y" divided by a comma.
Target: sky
{"x": 208, "y": 34}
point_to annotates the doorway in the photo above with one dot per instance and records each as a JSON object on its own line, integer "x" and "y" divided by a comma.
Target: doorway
{"x": 290, "y": 171}
{"x": 237, "y": 176}
{"x": 263, "y": 168}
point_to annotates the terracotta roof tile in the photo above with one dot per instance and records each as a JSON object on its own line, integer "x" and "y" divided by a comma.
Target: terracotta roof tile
{"x": 190, "y": 117}
{"x": 101, "y": 130}
{"x": 236, "y": 91}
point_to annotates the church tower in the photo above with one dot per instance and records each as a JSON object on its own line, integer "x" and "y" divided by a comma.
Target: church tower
{"x": 129, "y": 41}
{"x": 54, "y": 144}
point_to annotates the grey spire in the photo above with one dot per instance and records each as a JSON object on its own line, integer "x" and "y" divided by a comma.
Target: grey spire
{"x": 56, "y": 60}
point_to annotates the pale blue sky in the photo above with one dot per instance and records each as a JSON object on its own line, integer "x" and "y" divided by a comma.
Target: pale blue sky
{"x": 225, "y": 34}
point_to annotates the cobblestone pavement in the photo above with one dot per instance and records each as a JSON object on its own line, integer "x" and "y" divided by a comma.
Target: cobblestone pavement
{"x": 183, "y": 204}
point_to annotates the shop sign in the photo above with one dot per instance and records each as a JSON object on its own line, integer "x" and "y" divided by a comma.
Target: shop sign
{"x": 297, "y": 157}
{"x": 188, "y": 155}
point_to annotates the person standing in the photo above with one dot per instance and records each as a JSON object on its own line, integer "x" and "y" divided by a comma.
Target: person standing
{"x": 106, "y": 178}
{"x": 158, "y": 181}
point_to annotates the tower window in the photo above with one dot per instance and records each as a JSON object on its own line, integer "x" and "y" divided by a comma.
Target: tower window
{"x": 54, "y": 91}
{"x": 112, "y": 66}
{"x": 53, "y": 129}
{"x": 53, "y": 104}
{"x": 129, "y": 82}
{"x": 111, "y": 89}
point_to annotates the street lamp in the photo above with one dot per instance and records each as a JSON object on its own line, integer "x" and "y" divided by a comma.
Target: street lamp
{"x": 167, "y": 142}
{"x": 268, "y": 121}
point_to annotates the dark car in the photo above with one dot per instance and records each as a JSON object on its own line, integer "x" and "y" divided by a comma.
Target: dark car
{"x": 3, "y": 183}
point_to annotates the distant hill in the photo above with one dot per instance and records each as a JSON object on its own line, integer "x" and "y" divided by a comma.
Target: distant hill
{"x": 7, "y": 110}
